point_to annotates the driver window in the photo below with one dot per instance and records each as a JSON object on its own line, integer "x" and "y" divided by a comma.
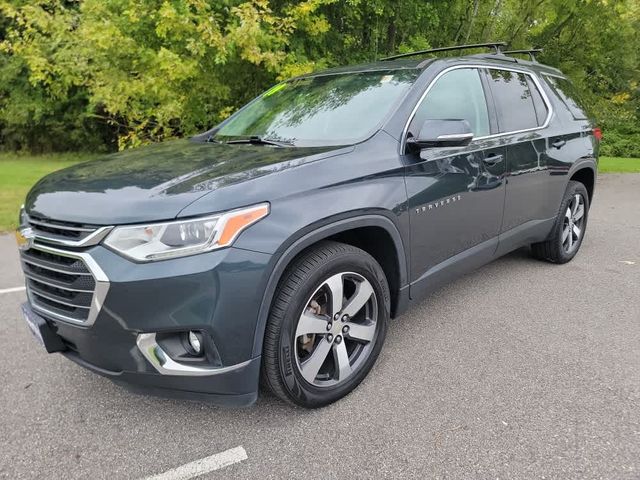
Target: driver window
{"x": 457, "y": 95}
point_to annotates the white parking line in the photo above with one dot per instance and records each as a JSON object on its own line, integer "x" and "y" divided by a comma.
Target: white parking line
{"x": 14, "y": 289}
{"x": 204, "y": 465}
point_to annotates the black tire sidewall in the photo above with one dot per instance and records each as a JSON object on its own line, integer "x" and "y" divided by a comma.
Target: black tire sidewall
{"x": 297, "y": 388}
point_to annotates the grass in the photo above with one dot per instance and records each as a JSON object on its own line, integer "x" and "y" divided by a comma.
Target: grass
{"x": 619, "y": 165}
{"x": 19, "y": 172}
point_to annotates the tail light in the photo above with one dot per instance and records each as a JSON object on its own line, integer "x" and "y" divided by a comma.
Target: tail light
{"x": 597, "y": 133}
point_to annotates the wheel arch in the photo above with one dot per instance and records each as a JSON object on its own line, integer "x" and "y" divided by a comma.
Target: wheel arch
{"x": 585, "y": 172}
{"x": 343, "y": 230}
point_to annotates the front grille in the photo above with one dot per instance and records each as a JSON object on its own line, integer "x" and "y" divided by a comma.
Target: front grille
{"x": 57, "y": 284}
{"x": 60, "y": 231}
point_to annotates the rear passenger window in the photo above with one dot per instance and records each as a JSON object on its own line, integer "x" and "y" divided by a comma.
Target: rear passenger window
{"x": 457, "y": 95}
{"x": 569, "y": 95}
{"x": 514, "y": 101}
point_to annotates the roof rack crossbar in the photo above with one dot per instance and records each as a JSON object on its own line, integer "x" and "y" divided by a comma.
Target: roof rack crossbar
{"x": 497, "y": 46}
{"x": 530, "y": 51}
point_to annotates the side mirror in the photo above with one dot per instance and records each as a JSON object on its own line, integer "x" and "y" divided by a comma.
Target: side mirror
{"x": 443, "y": 133}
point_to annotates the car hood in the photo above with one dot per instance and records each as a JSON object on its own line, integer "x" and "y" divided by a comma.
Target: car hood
{"x": 156, "y": 182}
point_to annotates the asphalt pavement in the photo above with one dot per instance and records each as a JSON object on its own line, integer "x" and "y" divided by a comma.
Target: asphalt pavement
{"x": 521, "y": 369}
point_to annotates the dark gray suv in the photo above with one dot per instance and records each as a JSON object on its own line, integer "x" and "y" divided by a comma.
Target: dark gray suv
{"x": 276, "y": 247}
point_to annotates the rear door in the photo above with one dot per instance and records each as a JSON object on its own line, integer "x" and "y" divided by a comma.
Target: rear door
{"x": 523, "y": 113}
{"x": 455, "y": 194}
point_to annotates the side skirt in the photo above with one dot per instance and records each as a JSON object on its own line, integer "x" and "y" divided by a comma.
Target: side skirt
{"x": 479, "y": 255}
{"x": 453, "y": 268}
{"x": 530, "y": 232}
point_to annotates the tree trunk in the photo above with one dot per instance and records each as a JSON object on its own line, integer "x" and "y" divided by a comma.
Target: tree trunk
{"x": 487, "y": 27}
{"x": 473, "y": 19}
{"x": 391, "y": 36}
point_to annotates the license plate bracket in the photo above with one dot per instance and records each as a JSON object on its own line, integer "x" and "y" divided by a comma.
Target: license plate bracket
{"x": 42, "y": 331}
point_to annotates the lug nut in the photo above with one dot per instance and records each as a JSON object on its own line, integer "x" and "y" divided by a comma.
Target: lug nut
{"x": 329, "y": 338}
{"x": 329, "y": 326}
{"x": 345, "y": 329}
{"x": 338, "y": 339}
{"x": 195, "y": 342}
{"x": 345, "y": 318}
{"x": 336, "y": 316}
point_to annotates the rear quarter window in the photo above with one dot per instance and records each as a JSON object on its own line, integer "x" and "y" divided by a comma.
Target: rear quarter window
{"x": 542, "y": 110}
{"x": 569, "y": 95}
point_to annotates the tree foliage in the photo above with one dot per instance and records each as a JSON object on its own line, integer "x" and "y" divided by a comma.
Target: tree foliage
{"x": 106, "y": 74}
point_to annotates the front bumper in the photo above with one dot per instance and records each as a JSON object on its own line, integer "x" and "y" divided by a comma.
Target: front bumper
{"x": 236, "y": 386}
{"x": 214, "y": 292}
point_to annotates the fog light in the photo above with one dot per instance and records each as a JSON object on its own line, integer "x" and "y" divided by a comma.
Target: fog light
{"x": 195, "y": 343}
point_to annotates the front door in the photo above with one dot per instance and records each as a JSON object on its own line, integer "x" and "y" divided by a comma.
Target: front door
{"x": 455, "y": 194}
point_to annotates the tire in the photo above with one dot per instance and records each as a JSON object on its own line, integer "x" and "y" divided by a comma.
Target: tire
{"x": 561, "y": 247}
{"x": 292, "y": 366}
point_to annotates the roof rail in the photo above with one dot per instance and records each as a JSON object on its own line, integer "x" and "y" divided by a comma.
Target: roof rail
{"x": 495, "y": 45}
{"x": 531, "y": 52}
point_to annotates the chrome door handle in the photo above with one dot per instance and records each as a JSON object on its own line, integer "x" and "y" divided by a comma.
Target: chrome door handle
{"x": 559, "y": 144}
{"x": 491, "y": 160}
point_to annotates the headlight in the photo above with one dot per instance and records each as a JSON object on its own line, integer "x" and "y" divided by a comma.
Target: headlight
{"x": 157, "y": 241}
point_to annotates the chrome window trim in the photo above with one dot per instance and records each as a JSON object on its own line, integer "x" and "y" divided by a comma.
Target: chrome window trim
{"x": 455, "y": 136}
{"x": 532, "y": 75}
{"x": 555, "y": 75}
{"x": 99, "y": 293}
{"x": 165, "y": 365}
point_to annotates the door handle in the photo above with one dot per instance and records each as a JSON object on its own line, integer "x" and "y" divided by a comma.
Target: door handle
{"x": 559, "y": 144}
{"x": 492, "y": 159}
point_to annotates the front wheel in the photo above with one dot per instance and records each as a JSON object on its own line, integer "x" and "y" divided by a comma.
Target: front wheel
{"x": 569, "y": 229}
{"x": 327, "y": 325}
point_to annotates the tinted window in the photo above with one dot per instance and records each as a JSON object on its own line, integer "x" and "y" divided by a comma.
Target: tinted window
{"x": 457, "y": 95}
{"x": 324, "y": 110}
{"x": 514, "y": 102}
{"x": 541, "y": 108}
{"x": 569, "y": 95}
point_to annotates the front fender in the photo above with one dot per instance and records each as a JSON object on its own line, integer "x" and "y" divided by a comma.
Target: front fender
{"x": 311, "y": 235}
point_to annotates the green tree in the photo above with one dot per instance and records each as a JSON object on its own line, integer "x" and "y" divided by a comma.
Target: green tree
{"x": 116, "y": 73}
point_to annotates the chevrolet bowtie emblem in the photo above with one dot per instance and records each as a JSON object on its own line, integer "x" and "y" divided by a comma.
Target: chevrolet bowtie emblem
{"x": 24, "y": 237}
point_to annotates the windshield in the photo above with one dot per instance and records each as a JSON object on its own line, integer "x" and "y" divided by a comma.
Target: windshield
{"x": 323, "y": 110}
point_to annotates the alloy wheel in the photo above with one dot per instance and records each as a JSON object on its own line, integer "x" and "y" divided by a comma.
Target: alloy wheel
{"x": 573, "y": 226}
{"x": 337, "y": 329}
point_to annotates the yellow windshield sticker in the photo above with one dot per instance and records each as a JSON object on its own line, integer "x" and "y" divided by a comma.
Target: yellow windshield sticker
{"x": 274, "y": 89}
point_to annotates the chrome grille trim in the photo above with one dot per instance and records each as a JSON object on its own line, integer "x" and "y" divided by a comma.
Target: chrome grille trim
{"x": 99, "y": 292}
{"x": 59, "y": 227}
{"x": 47, "y": 281}
{"x": 86, "y": 236}
{"x": 53, "y": 269}
{"x": 36, "y": 291}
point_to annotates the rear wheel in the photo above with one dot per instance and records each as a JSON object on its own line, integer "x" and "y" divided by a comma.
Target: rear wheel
{"x": 327, "y": 325}
{"x": 569, "y": 229}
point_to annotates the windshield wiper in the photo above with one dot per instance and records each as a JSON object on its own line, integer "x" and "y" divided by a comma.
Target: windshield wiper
{"x": 258, "y": 140}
